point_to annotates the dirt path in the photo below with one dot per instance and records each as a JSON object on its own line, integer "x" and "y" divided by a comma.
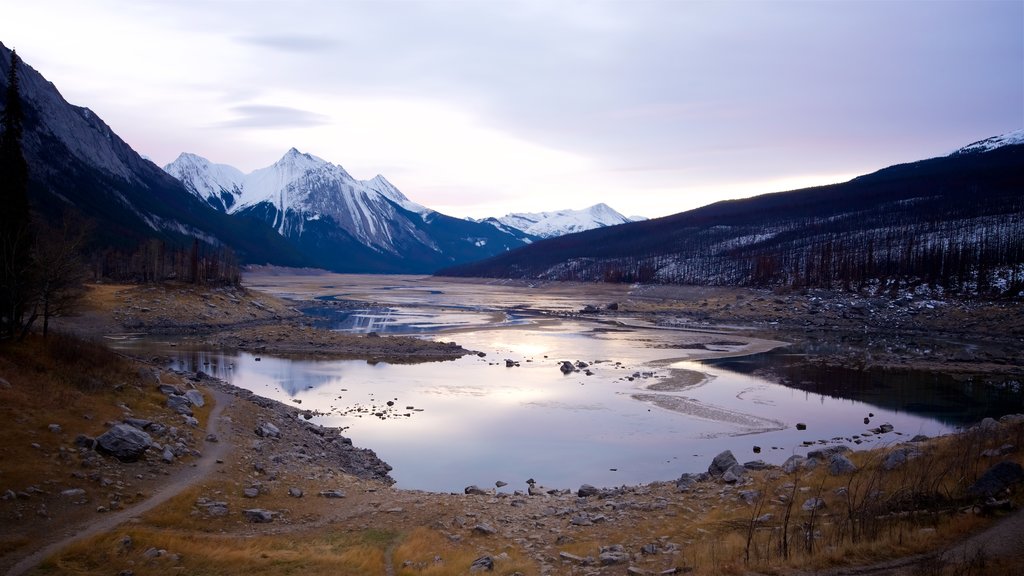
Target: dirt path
{"x": 184, "y": 478}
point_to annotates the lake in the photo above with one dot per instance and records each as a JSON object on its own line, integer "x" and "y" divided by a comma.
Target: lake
{"x": 641, "y": 406}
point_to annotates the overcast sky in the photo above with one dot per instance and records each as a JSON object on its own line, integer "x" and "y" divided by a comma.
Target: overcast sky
{"x": 479, "y": 108}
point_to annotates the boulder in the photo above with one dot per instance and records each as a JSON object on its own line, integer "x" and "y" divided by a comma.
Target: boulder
{"x": 587, "y": 490}
{"x": 567, "y": 367}
{"x": 196, "y": 398}
{"x": 179, "y": 404}
{"x": 612, "y": 555}
{"x": 794, "y": 463}
{"x": 839, "y": 464}
{"x": 482, "y": 564}
{"x": 686, "y": 482}
{"x": 997, "y": 479}
{"x": 258, "y": 515}
{"x": 124, "y": 442}
{"x": 722, "y": 463}
{"x": 268, "y": 430}
{"x": 167, "y": 456}
{"x": 475, "y": 490}
{"x": 734, "y": 474}
{"x": 295, "y": 492}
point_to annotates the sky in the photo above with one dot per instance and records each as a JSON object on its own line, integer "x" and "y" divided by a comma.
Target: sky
{"x": 481, "y": 108}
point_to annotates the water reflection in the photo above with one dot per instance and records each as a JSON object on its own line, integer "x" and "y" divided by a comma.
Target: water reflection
{"x": 475, "y": 421}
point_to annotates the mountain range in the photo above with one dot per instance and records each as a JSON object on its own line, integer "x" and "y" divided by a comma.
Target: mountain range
{"x": 953, "y": 223}
{"x": 365, "y": 225}
{"x": 300, "y": 211}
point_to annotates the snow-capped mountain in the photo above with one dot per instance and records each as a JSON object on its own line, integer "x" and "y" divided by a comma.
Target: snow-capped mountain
{"x": 321, "y": 207}
{"x": 989, "y": 144}
{"x": 560, "y": 222}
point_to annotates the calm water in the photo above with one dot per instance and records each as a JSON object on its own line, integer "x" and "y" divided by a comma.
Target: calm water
{"x": 476, "y": 421}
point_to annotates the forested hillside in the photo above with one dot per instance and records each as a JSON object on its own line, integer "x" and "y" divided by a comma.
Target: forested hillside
{"x": 953, "y": 223}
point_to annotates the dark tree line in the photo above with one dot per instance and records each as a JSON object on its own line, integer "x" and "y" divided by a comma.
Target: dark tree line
{"x": 158, "y": 261}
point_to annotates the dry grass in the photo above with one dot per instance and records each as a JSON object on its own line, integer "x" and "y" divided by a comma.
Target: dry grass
{"x": 158, "y": 552}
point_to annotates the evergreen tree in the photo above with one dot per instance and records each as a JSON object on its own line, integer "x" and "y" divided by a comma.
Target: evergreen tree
{"x": 15, "y": 238}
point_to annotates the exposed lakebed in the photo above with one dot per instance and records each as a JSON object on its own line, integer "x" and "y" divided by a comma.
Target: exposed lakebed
{"x": 638, "y": 407}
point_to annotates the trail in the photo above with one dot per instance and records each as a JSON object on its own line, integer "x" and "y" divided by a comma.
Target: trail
{"x": 179, "y": 481}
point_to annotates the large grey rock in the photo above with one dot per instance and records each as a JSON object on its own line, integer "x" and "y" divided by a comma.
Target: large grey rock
{"x": 614, "y": 554}
{"x": 686, "y": 482}
{"x": 475, "y": 490}
{"x": 179, "y": 404}
{"x": 722, "y": 463}
{"x": 124, "y": 442}
{"x": 734, "y": 474}
{"x": 196, "y": 398}
{"x": 268, "y": 430}
{"x": 587, "y": 490}
{"x": 258, "y": 515}
{"x": 997, "y": 479}
{"x": 794, "y": 463}
{"x": 839, "y": 465}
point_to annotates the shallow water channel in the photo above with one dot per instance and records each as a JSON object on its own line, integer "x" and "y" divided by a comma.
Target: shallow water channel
{"x": 648, "y": 410}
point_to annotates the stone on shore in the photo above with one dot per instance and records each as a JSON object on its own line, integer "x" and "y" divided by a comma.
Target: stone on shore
{"x": 124, "y": 442}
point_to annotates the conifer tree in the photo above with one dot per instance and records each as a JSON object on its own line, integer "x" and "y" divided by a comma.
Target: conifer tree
{"x": 15, "y": 238}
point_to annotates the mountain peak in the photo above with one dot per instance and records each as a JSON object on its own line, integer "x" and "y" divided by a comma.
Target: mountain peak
{"x": 561, "y": 222}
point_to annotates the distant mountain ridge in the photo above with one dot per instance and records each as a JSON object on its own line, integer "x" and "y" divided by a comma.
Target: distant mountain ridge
{"x": 560, "y": 222}
{"x": 953, "y": 223}
{"x": 343, "y": 223}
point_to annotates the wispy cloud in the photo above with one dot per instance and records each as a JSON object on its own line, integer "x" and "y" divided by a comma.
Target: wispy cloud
{"x": 265, "y": 116}
{"x": 289, "y": 42}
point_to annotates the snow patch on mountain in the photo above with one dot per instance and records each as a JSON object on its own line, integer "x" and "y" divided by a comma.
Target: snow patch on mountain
{"x": 301, "y": 188}
{"x": 560, "y": 222}
{"x": 990, "y": 144}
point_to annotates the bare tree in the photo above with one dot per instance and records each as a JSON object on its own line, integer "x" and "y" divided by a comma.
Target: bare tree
{"x": 59, "y": 270}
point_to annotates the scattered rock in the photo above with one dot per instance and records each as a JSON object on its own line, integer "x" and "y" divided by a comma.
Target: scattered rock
{"x": 332, "y": 493}
{"x": 997, "y": 479}
{"x": 475, "y": 490}
{"x": 196, "y": 398}
{"x": 812, "y": 504}
{"x": 587, "y": 490}
{"x": 258, "y": 515}
{"x": 124, "y": 442}
{"x": 179, "y": 404}
{"x": 251, "y": 492}
{"x": 567, "y": 367}
{"x": 838, "y": 464}
{"x": 801, "y": 426}
{"x": 268, "y": 430}
{"x": 484, "y": 529}
{"x": 482, "y": 564}
{"x": 295, "y": 492}
{"x": 614, "y": 554}
{"x": 722, "y": 463}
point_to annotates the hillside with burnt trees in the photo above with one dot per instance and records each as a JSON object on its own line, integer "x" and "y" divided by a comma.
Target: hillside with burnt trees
{"x": 954, "y": 224}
